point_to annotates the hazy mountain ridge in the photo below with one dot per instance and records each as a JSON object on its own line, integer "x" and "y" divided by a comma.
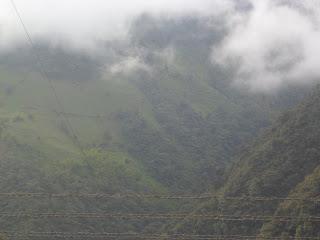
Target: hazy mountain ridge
{"x": 151, "y": 115}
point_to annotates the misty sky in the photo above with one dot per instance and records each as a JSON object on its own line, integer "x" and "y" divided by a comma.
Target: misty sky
{"x": 84, "y": 22}
{"x": 274, "y": 43}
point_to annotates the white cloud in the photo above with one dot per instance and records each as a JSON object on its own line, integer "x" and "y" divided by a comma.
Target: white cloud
{"x": 128, "y": 66}
{"x": 167, "y": 54}
{"x": 82, "y": 24}
{"x": 274, "y": 45}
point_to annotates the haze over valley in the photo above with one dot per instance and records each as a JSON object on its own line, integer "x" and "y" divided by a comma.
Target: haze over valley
{"x": 159, "y": 119}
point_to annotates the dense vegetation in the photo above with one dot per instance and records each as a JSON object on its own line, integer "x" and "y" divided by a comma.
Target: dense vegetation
{"x": 283, "y": 162}
{"x": 172, "y": 124}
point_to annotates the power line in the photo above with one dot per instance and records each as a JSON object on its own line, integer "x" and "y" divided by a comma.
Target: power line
{"x": 107, "y": 235}
{"x": 161, "y": 216}
{"x": 101, "y": 195}
{"x": 151, "y": 196}
{"x": 45, "y": 77}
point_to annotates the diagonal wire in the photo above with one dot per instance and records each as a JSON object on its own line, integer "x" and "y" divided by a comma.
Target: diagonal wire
{"x": 45, "y": 77}
{"x": 152, "y": 196}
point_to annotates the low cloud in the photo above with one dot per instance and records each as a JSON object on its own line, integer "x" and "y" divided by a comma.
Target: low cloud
{"x": 273, "y": 44}
{"x": 269, "y": 43}
{"x": 128, "y": 66}
{"x": 88, "y": 24}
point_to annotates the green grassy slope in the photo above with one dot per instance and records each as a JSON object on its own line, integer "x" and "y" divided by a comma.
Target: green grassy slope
{"x": 172, "y": 109}
{"x": 142, "y": 133}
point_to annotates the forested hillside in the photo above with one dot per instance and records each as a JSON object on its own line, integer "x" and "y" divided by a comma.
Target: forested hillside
{"x": 282, "y": 168}
{"x": 151, "y": 115}
{"x": 160, "y": 120}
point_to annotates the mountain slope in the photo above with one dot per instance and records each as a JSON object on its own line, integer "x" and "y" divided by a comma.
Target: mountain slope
{"x": 307, "y": 189}
{"x": 283, "y": 162}
{"x": 151, "y": 115}
{"x": 171, "y": 105}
